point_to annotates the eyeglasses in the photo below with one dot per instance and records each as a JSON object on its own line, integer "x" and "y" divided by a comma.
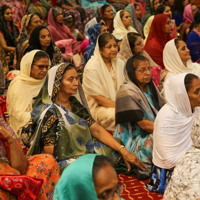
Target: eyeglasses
{"x": 41, "y": 67}
{"x": 144, "y": 70}
{"x": 109, "y": 195}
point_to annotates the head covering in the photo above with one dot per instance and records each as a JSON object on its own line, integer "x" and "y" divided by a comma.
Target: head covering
{"x": 22, "y": 89}
{"x": 173, "y": 124}
{"x": 34, "y": 42}
{"x": 187, "y": 14}
{"x": 174, "y": 64}
{"x": 10, "y": 36}
{"x": 93, "y": 33}
{"x": 77, "y": 181}
{"x": 119, "y": 29}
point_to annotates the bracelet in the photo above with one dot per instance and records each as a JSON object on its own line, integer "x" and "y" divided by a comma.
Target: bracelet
{"x": 122, "y": 146}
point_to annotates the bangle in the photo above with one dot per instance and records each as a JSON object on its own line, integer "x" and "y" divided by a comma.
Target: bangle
{"x": 122, "y": 146}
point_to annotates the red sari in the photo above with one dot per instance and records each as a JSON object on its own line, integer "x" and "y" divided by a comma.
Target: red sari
{"x": 156, "y": 39}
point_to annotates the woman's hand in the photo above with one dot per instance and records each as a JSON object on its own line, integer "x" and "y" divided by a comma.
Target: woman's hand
{"x": 7, "y": 135}
{"x": 130, "y": 158}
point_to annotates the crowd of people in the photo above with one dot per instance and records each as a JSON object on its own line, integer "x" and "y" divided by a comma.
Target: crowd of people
{"x": 111, "y": 86}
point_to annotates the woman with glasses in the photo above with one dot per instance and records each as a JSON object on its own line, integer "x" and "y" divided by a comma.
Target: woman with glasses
{"x": 137, "y": 104}
{"x": 41, "y": 39}
{"x": 25, "y": 87}
{"x": 98, "y": 180}
{"x": 159, "y": 35}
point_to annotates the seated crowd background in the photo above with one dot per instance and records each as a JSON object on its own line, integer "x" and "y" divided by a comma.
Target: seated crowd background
{"x": 113, "y": 86}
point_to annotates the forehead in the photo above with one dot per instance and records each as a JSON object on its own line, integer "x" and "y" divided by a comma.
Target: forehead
{"x": 126, "y": 13}
{"x": 34, "y": 18}
{"x": 142, "y": 64}
{"x": 44, "y": 31}
{"x": 70, "y": 72}
{"x": 195, "y": 84}
{"x": 108, "y": 8}
{"x": 42, "y": 61}
{"x": 181, "y": 44}
{"x": 8, "y": 10}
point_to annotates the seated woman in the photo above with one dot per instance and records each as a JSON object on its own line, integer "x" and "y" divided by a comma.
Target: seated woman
{"x": 106, "y": 16}
{"x": 59, "y": 32}
{"x": 102, "y": 77}
{"x": 23, "y": 89}
{"x": 193, "y": 39}
{"x": 41, "y": 39}
{"x": 28, "y": 178}
{"x": 99, "y": 180}
{"x": 93, "y": 33}
{"x": 136, "y": 16}
{"x": 28, "y": 24}
{"x": 122, "y": 24}
{"x": 8, "y": 34}
{"x": 82, "y": 16}
{"x": 177, "y": 59}
{"x": 172, "y": 127}
{"x": 162, "y": 9}
{"x": 39, "y": 6}
{"x": 64, "y": 126}
{"x": 184, "y": 183}
{"x": 159, "y": 35}
{"x": 137, "y": 104}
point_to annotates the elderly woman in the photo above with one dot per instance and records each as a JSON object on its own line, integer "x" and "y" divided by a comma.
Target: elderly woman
{"x": 177, "y": 59}
{"x": 25, "y": 87}
{"x": 155, "y": 42}
{"x": 172, "y": 128}
{"x": 184, "y": 183}
{"x": 64, "y": 126}
{"x": 102, "y": 77}
{"x": 93, "y": 33}
{"x": 193, "y": 39}
{"x": 122, "y": 24}
{"x": 41, "y": 39}
{"x": 99, "y": 180}
{"x": 27, "y": 178}
{"x": 137, "y": 104}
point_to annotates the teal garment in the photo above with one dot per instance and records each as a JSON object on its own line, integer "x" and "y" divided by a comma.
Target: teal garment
{"x": 135, "y": 139}
{"x": 76, "y": 181}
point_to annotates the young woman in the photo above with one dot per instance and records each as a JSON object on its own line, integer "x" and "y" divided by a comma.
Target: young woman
{"x": 41, "y": 39}
{"x": 102, "y": 77}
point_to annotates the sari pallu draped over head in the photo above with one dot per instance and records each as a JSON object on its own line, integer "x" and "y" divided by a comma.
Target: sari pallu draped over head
{"x": 174, "y": 64}
{"x": 173, "y": 124}
{"x": 97, "y": 80}
{"x": 131, "y": 103}
{"x": 61, "y": 32}
{"x": 156, "y": 39}
{"x": 70, "y": 128}
{"x": 119, "y": 29}
{"x": 21, "y": 92}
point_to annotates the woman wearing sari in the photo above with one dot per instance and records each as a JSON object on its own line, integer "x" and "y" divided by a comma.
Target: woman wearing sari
{"x": 137, "y": 104}
{"x": 27, "y": 178}
{"x": 177, "y": 59}
{"x": 102, "y": 77}
{"x": 172, "y": 128}
{"x": 93, "y": 33}
{"x": 64, "y": 125}
{"x": 99, "y": 180}
{"x": 155, "y": 42}
{"x": 24, "y": 88}
{"x": 122, "y": 24}
{"x": 61, "y": 34}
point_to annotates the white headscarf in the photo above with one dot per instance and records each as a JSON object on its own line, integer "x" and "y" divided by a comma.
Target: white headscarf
{"x": 174, "y": 64}
{"x": 21, "y": 92}
{"x": 173, "y": 124}
{"x": 119, "y": 29}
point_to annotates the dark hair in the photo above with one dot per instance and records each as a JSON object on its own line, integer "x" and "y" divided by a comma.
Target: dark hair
{"x": 197, "y": 18}
{"x": 99, "y": 162}
{"x": 176, "y": 42}
{"x": 103, "y": 8}
{"x": 70, "y": 19}
{"x": 34, "y": 41}
{"x": 161, "y": 8}
{"x": 39, "y": 55}
{"x": 121, "y": 14}
{"x": 137, "y": 58}
{"x": 188, "y": 81}
{"x": 104, "y": 39}
{"x": 178, "y": 6}
{"x": 136, "y": 5}
{"x": 55, "y": 11}
{"x": 132, "y": 37}
{"x": 4, "y": 8}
